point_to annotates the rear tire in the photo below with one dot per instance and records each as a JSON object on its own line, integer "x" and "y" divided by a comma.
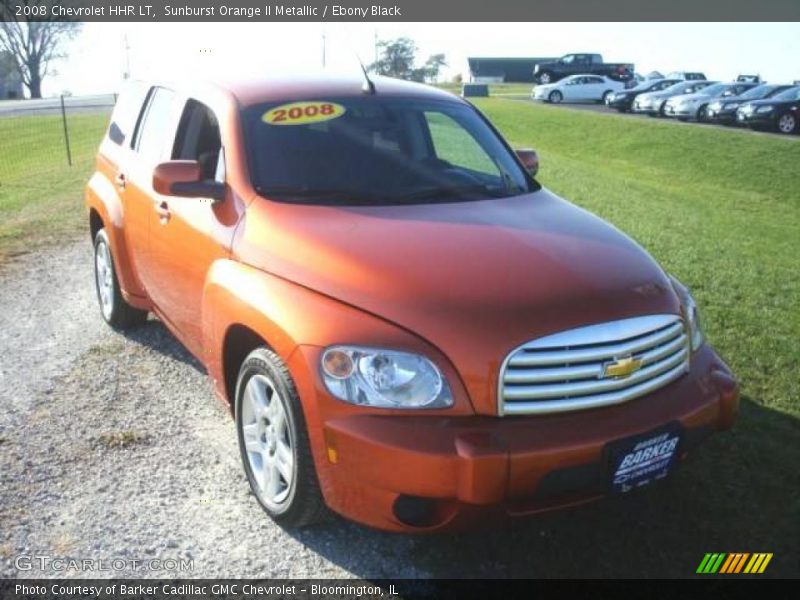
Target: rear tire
{"x": 273, "y": 441}
{"x": 116, "y": 312}
{"x": 605, "y": 97}
{"x": 555, "y": 97}
{"x": 702, "y": 114}
{"x": 786, "y": 124}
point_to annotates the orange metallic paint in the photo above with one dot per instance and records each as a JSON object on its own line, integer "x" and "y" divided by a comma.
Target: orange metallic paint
{"x": 461, "y": 283}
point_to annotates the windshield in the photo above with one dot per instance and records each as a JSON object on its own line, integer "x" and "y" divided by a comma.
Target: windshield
{"x": 761, "y": 91}
{"x": 378, "y": 150}
{"x": 790, "y": 94}
{"x": 685, "y": 87}
{"x": 714, "y": 90}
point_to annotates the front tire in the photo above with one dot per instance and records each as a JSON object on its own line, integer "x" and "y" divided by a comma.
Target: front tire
{"x": 545, "y": 78}
{"x": 555, "y": 97}
{"x": 702, "y": 114}
{"x": 787, "y": 124}
{"x": 116, "y": 312}
{"x": 273, "y": 442}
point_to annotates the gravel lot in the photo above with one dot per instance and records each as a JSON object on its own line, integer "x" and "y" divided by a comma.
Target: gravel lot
{"x": 114, "y": 447}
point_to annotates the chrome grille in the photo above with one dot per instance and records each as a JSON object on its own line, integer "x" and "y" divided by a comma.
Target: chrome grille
{"x": 567, "y": 371}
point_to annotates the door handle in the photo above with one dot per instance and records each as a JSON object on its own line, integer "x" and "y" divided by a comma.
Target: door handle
{"x": 162, "y": 208}
{"x": 120, "y": 180}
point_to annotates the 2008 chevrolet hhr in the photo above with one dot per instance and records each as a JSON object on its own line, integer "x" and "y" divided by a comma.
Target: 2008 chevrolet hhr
{"x": 407, "y": 327}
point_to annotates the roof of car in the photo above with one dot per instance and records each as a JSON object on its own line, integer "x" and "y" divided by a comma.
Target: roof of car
{"x": 279, "y": 88}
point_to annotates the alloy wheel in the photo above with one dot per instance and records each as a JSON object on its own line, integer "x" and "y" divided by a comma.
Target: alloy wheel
{"x": 104, "y": 276}
{"x": 268, "y": 440}
{"x": 787, "y": 123}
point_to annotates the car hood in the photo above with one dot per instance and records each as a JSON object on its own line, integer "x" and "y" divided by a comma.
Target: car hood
{"x": 771, "y": 101}
{"x": 690, "y": 97}
{"x": 475, "y": 279}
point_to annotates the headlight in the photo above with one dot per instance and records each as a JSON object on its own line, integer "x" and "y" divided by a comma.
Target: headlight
{"x": 731, "y": 105}
{"x": 715, "y": 105}
{"x": 619, "y": 95}
{"x": 384, "y": 378}
{"x": 691, "y": 314}
{"x": 764, "y": 109}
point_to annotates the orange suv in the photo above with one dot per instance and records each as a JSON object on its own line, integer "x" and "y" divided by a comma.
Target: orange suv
{"x": 407, "y": 327}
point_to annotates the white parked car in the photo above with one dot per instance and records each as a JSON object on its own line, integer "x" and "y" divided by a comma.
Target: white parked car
{"x": 578, "y": 88}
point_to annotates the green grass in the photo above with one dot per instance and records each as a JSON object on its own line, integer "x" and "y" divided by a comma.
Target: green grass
{"x": 495, "y": 89}
{"x": 40, "y": 194}
{"x": 717, "y": 208}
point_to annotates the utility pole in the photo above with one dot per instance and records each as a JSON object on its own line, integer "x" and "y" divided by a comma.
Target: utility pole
{"x": 323, "y": 49}
{"x": 376, "y": 46}
{"x": 126, "y": 74}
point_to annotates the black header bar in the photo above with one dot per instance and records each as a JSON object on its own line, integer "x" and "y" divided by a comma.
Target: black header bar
{"x": 401, "y": 10}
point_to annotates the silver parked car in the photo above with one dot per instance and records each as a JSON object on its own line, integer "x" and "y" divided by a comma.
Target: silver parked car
{"x": 695, "y": 106}
{"x": 653, "y": 103}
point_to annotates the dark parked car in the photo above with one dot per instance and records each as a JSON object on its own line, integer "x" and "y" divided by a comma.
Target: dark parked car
{"x": 623, "y": 101}
{"x": 724, "y": 109}
{"x": 781, "y": 112}
{"x": 585, "y": 64}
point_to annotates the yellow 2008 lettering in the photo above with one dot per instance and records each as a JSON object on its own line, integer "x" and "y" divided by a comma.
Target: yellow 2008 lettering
{"x": 303, "y": 113}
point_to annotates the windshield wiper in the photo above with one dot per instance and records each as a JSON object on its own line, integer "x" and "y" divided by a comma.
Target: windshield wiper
{"x": 306, "y": 192}
{"x": 449, "y": 192}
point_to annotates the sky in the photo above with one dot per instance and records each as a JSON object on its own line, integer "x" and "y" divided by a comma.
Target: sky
{"x": 97, "y": 58}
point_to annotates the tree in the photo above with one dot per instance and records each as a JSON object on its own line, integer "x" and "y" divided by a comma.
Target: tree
{"x": 433, "y": 67}
{"x": 398, "y": 57}
{"x": 34, "y": 45}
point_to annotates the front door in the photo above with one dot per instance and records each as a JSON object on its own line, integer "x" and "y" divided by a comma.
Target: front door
{"x": 183, "y": 244}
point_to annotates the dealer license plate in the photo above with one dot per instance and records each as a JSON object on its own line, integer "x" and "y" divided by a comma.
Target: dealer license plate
{"x": 637, "y": 461}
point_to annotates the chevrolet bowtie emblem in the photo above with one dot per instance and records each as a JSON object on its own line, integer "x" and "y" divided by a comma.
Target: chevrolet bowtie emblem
{"x": 622, "y": 367}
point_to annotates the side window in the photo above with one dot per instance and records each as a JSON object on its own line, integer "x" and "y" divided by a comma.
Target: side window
{"x": 453, "y": 144}
{"x": 595, "y": 79}
{"x": 152, "y": 129}
{"x": 198, "y": 139}
{"x": 126, "y": 111}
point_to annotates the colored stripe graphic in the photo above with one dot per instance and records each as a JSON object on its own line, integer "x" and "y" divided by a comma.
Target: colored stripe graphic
{"x": 734, "y": 563}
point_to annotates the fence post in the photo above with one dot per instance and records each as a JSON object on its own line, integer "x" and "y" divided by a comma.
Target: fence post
{"x": 66, "y": 131}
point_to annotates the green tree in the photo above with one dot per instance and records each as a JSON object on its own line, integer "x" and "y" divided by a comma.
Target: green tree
{"x": 397, "y": 58}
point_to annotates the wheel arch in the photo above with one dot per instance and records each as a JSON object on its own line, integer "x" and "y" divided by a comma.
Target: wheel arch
{"x": 105, "y": 210}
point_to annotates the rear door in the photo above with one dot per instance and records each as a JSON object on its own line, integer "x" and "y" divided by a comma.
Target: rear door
{"x": 146, "y": 147}
{"x": 594, "y": 88}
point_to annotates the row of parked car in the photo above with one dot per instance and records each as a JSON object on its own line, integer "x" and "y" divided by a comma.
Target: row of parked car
{"x": 687, "y": 96}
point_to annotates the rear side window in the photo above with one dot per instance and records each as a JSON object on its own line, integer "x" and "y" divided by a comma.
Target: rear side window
{"x": 198, "y": 139}
{"x": 153, "y": 125}
{"x": 126, "y": 110}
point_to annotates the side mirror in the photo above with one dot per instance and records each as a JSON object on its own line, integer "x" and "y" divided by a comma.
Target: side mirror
{"x": 185, "y": 178}
{"x": 529, "y": 159}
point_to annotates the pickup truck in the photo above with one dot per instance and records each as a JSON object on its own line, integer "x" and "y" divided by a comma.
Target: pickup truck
{"x": 571, "y": 64}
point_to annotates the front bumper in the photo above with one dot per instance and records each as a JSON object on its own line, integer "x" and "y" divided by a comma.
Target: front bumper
{"x": 431, "y": 473}
{"x": 650, "y": 108}
{"x": 756, "y": 119}
{"x": 723, "y": 115}
{"x": 680, "y": 111}
{"x": 621, "y": 104}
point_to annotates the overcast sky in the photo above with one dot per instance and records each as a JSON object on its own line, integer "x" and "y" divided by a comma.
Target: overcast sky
{"x": 721, "y": 50}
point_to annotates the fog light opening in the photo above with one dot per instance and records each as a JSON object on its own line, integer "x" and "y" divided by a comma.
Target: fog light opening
{"x": 416, "y": 511}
